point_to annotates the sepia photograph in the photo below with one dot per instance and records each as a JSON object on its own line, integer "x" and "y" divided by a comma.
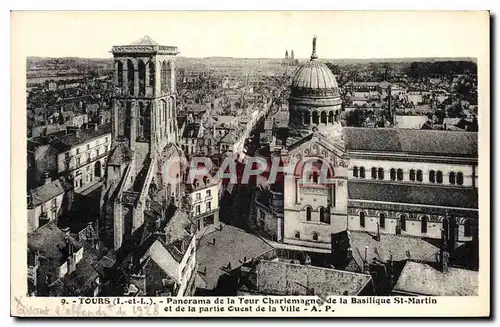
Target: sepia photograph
{"x": 196, "y": 157}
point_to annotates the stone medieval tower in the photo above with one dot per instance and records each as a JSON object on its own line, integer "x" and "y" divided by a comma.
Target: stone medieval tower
{"x": 144, "y": 134}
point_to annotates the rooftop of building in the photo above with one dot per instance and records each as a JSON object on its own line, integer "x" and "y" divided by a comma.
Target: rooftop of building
{"x": 50, "y": 243}
{"x": 421, "y": 278}
{"x": 74, "y": 139}
{"x": 179, "y": 231}
{"x": 419, "y": 142}
{"x": 410, "y": 122}
{"x": 424, "y": 194}
{"x": 280, "y": 278}
{"x": 223, "y": 248}
{"x": 400, "y": 247}
{"x": 48, "y": 191}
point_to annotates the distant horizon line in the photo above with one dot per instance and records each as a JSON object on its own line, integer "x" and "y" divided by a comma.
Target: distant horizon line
{"x": 264, "y": 58}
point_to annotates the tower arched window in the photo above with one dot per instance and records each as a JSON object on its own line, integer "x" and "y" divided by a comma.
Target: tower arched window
{"x": 323, "y": 117}
{"x": 362, "y": 172}
{"x": 468, "y": 228}
{"x": 119, "y": 73}
{"x": 381, "y": 173}
{"x": 402, "y": 220}
{"x": 393, "y": 174}
{"x": 151, "y": 68}
{"x": 432, "y": 176}
{"x": 355, "y": 172}
{"x": 163, "y": 76}
{"x": 452, "y": 178}
{"x": 419, "y": 176}
{"x": 423, "y": 226}
{"x": 330, "y": 117}
{"x": 439, "y": 177}
{"x": 307, "y": 118}
{"x": 130, "y": 77}
{"x": 400, "y": 175}
{"x": 460, "y": 178}
{"x": 308, "y": 213}
{"x": 374, "y": 173}
{"x": 412, "y": 175}
{"x": 382, "y": 220}
{"x": 141, "y": 67}
{"x": 362, "y": 219}
{"x": 315, "y": 117}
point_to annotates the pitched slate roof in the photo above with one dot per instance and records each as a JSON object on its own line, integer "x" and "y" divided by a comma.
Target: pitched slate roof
{"x": 47, "y": 192}
{"x": 424, "y": 142}
{"x": 232, "y": 245}
{"x": 67, "y": 142}
{"x": 420, "y": 278}
{"x": 400, "y": 247}
{"x": 280, "y": 278}
{"x": 50, "y": 242}
{"x": 145, "y": 40}
{"x": 460, "y": 197}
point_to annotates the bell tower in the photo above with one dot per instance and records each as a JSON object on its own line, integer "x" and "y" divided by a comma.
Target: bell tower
{"x": 144, "y": 105}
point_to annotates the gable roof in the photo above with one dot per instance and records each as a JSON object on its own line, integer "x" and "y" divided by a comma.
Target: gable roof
{"x": 400, "y": 247}
{"x": 50, "y": 242}
{"x": 421, "y": 278}
{"x": 46, "y": 192}
{"x": 163, "y": 258}
{"x": 280, "y": 278}
{"x": 145, "y": 40}
{"x": 430, "y": 142}
{"x": 232, "y": 245}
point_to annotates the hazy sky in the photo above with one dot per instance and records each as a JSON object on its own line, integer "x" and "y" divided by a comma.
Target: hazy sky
{"x": 253, "y": 34}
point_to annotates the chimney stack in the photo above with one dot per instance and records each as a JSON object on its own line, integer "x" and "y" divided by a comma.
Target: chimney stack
{"x": 443, "y": 254}
{"x": 48, "y": 180}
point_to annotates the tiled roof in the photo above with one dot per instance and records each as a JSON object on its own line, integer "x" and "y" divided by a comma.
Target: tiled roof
{"x": 47, "y": 192}
{"x": 232, "y": 245}
{"x": 67, "y": 142}
{"x": 280, "y": 278}
{"x": 163, "y": 258}
{"x": 400, "y": 247}
{"x": 50, "y": 242}
{"x": 421, "y": 278}
{"x": 81, "y": 279}
{"x": 430, "y": 142}
{"x": 178, "y": 234}
{"x": 121, "y": 153}
{"x": 460, "y": 197}
{"x": 145, "y": 40}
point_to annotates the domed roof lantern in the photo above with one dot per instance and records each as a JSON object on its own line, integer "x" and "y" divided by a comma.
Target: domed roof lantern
{"x": 314, "y": 55}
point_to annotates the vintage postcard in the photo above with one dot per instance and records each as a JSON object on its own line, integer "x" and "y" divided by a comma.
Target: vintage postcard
{"x": 236, "y": 164}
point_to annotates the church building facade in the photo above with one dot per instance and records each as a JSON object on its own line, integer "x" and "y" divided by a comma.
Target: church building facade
{"x": 144, "y": 137}
{"x": 381, "y": 180}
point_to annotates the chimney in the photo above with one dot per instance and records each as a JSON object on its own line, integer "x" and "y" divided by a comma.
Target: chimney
{"x": 229, "y": 266}
{"x": 443, "y": 254}
{"x": 77, "y": 133}
{"x": 213, "y": 241}
{"x": 48, "y": 180}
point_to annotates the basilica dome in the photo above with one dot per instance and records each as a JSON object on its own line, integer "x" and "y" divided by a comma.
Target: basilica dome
{"x": 314, "y": 102}
{"x": 314, "y": 78}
